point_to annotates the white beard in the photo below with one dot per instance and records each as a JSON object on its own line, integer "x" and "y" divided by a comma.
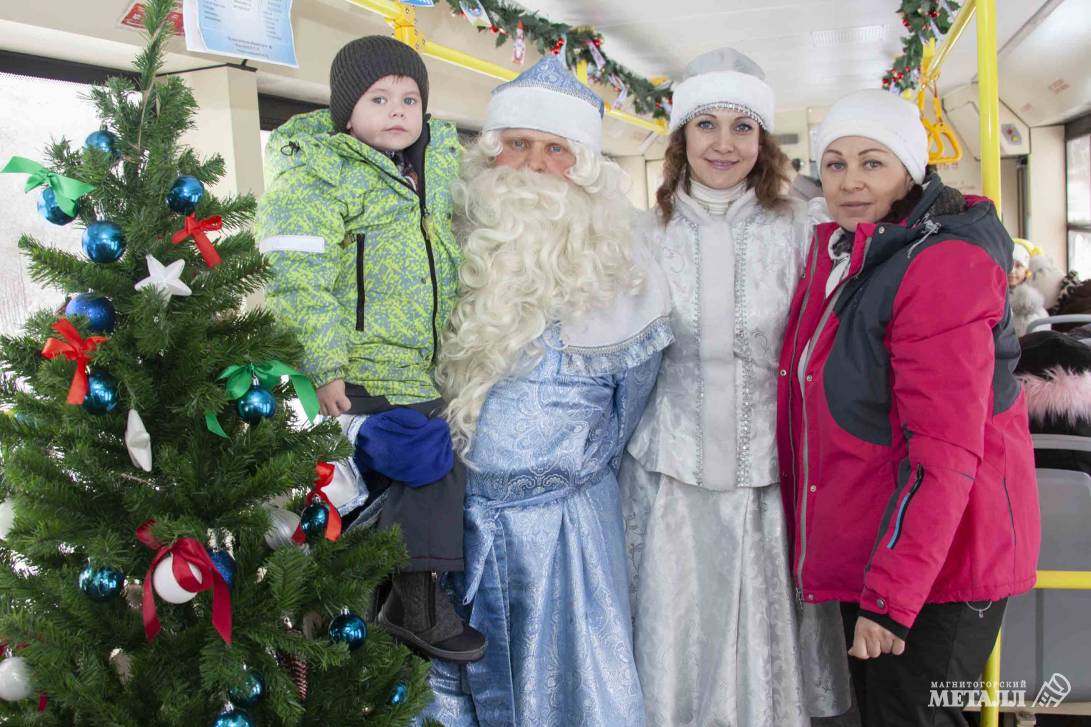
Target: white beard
{"x": 537, "y": 249}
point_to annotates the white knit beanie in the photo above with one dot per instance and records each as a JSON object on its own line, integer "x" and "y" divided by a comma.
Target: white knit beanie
{"x": 1021, "y": 254}
{"x": 880, "y": 115}
{"x": 723, "y": 79}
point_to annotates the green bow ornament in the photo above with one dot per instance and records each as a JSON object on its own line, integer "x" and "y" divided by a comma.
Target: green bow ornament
{"x": 239, "y": 378}
{"x": 67, "y": 190}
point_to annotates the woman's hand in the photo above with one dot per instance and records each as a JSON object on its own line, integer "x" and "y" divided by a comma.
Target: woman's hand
{"x": 871, "y": 640}
{"x": 332, "y": 401}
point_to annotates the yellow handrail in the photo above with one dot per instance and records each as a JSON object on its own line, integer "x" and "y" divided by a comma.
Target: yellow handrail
{"x": 931, "y": 73}
{"x": 1074, "y": 580}
{"x": 988, "y": 90}
{"x": 403, "y": 19}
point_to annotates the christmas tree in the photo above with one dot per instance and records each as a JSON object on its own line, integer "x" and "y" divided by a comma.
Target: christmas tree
{"x": 150, "y": 579}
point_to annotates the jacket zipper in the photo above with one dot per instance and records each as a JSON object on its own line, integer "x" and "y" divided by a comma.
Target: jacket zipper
{"x": 931, "y": 227}
{"x": 792, "y": 366}
{"x": 432, "y": 275}
{"x": 428, "y": 249}
{"x": 1011, "y": 513}
{"x": 360, "y": 292}
{"x": 902, "y": 509}
{"x": 808, "y": 350}
{"x": 432, "y": 600}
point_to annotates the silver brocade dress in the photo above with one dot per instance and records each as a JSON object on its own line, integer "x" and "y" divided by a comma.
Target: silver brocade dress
{"x": 718, "y": 635}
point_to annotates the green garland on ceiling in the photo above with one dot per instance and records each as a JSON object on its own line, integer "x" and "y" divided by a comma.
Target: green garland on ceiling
{"x": 575, "y": 42}
{"x": 924, "y": 19}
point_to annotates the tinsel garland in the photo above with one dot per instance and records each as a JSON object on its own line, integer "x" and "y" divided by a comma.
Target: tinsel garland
{"x": 924, "y": 19}
{"x": 576, "y": 43}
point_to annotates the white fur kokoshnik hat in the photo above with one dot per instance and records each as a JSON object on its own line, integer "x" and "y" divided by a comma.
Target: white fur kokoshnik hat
{"x": 723, "y": 79}
{"x": 548, "y": 97}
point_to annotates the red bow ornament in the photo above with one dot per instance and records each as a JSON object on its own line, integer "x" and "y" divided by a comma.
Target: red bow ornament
{"x": 324, "y": 476}
{"x": 185, "y": 552}
{"x": 74, "y": 348}
{"x": 196, "y": 229}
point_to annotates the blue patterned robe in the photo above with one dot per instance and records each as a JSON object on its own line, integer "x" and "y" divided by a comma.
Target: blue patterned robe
{"x": 546, "y": 575}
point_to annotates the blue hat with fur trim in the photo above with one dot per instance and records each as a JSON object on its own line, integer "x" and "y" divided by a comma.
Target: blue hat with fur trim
{"x": 548, "y": 97}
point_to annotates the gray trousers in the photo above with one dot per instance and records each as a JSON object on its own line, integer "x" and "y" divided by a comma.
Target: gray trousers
{"x": 429, "y": 517}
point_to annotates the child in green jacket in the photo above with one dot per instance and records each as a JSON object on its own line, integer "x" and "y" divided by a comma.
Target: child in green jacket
{"x": 356, "y": 224}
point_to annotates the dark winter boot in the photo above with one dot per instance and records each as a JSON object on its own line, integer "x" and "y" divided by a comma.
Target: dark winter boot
{"x": 420, "y": 615}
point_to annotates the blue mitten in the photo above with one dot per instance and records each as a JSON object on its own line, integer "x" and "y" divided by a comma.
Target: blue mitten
{"x": 406, "y": 446}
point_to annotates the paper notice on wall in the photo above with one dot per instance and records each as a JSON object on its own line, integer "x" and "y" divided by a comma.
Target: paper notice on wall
{"x": 258, "y": 30}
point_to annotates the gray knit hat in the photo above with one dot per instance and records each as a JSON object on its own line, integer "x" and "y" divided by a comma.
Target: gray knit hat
{"x": 364, "y": 61}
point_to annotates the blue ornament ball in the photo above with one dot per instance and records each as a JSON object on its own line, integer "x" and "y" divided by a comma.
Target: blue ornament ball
{"x": 251, "y": 692}
{"x": 102, "y": 393}
{"x": 401, "y": 691}
{"x": 349, "y": 628}
{"x": 233, "y": 718}
{"x": 49, "y": 209}
{"x": 101, "y": 584}
{"x": 103, "y": 242}
{"x": 104, "y": 141}
{"x": 314, "y": 519}
{"x": 225, "y": 564}
{"x": 256, "y": 404}
{"x": 98, "y": 311}
{"x": 184, "y": 194}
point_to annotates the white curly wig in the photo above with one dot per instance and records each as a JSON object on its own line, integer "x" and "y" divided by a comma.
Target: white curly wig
{"x": 537, "y": 249}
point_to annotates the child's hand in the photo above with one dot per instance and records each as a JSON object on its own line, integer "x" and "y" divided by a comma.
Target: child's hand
{"x": 332, "y": 401}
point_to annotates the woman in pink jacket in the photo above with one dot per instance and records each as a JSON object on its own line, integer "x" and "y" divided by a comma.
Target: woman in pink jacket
{"x": 907, "y": 467}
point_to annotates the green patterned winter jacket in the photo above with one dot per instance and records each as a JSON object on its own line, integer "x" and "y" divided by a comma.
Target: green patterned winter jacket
{"x": 365, "y": 269}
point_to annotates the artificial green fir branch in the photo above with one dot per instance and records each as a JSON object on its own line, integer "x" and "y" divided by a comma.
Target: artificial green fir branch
{"x": 546, "y": 35}
{"x": 80, "y": 498}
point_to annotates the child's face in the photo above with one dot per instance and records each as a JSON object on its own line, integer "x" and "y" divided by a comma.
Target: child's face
{"x": 1017, "y": 275}
{"x": 389, "y": 115}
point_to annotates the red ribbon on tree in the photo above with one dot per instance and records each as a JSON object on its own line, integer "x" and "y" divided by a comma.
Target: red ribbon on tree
{"x": 196, "y": 229}
{"x": 186, "y": 552}
{"x": 74, "y": 348}
{"x": 323, "y": 476}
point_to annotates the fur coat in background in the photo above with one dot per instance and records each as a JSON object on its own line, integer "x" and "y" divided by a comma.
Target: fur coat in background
{"x": 1027, "y": 305}
{"x": 1055, "y": 370}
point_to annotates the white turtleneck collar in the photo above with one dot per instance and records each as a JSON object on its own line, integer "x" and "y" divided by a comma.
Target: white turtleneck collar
{"x": 715, "y": 201}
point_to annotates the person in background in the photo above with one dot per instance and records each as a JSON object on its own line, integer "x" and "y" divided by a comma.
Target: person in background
{"x": 356, "y": 227}
{"x": 715, "y": 628}
{"x": 908, "y": 470}
{"x": 1055, "y": 371}
{"x": 1027, "y": 301}
{"x": 802, "y": 186}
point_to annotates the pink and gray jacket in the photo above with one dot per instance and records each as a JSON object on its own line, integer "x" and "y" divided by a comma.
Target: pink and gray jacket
{"x": 907, "y": 468}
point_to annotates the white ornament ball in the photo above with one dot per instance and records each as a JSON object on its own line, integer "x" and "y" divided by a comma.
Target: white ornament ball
{"x": 284, "y": 524}
{"x": 7, "y": 518}
{"x": 166, "y": 585}
{"x": 15, "y": 679}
